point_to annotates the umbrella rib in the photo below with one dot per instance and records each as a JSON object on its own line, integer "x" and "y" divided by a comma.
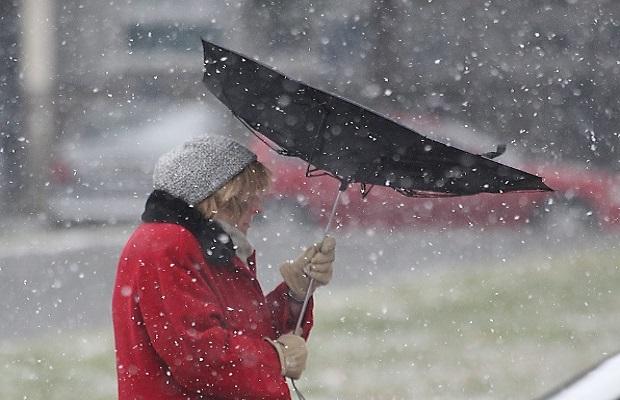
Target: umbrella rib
{"x": 365, "y": 190}
{"x": 281, "y": 151}
{"x": 320, "y": 130}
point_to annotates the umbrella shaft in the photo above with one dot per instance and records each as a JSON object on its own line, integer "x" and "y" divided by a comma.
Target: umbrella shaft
{"x": 304, "y": 306}
{"x": 333, "y": 213}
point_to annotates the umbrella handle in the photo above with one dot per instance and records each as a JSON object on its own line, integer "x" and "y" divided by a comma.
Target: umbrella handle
{"x": 298, "y": 330}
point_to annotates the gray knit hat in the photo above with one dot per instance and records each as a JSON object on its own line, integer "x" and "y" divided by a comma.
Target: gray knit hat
{"x": 198, "y": 168}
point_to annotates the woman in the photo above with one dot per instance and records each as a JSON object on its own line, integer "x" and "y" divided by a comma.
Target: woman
{"x": 190, "y": 318}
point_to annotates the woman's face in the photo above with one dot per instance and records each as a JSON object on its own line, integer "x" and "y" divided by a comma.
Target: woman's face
{"x": 254, "y": 207}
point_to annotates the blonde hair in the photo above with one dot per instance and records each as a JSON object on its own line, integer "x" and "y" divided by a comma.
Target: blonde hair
{"x": 231, "y": 199}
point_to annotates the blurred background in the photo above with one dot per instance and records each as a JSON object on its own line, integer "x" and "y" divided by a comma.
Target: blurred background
{"x": 486, "y": 297}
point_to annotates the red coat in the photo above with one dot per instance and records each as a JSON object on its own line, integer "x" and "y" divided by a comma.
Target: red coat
{"x": 188, "y": 329}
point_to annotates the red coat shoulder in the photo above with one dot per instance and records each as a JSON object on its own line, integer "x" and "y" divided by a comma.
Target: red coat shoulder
{"x": 159, "y": 239}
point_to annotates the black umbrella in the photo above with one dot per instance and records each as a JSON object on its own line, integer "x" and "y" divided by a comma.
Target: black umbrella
{"x": 347, "y": 140}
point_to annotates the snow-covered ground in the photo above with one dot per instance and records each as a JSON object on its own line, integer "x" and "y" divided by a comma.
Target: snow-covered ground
{"x": 513, "y": 331}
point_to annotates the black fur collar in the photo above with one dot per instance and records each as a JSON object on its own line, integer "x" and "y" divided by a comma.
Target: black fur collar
{"x": 216, "y": 244}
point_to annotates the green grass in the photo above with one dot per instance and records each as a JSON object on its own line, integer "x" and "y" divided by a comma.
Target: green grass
{"x": 62, "y": 366}
{"x": 511, "y": 331}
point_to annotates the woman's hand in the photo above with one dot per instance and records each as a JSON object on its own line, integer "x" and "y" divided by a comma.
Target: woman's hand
{"x": 293, "y": 354}
{"x": 314, "y": 263}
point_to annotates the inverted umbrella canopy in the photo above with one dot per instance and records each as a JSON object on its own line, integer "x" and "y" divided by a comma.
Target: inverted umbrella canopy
{"x": 347, "y": 140}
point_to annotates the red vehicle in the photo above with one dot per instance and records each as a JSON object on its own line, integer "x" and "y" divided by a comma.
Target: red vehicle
{"x": 107, "y": 177}
{"x": 583, "y": 197}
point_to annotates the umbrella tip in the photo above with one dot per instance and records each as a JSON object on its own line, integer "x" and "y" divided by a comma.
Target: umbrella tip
{"x": 543, "y": 187}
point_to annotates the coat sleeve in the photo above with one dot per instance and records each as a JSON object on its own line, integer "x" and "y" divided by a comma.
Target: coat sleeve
{"x": 186, "y": 327}
{"x": 283, "y": 319}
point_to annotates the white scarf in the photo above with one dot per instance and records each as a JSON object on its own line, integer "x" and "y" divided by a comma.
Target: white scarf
{"x": 243, "y": 248}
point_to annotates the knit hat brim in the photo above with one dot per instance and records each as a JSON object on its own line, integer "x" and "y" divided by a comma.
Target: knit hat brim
{"x": 200, "y": 167}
